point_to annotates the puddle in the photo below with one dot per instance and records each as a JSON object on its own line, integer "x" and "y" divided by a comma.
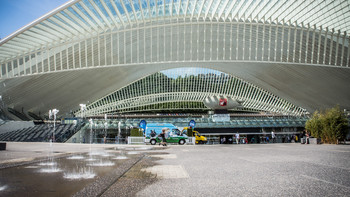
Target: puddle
{"x": 63, "y": 177}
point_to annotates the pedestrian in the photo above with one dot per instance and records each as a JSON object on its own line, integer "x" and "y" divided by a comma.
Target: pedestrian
{"x": 273, "y": 136}
{"x": 162, "y": 135}
{"x": 237, "y": 138}
{"x": 307, "y": 137}
{"x": 252, "y": 140}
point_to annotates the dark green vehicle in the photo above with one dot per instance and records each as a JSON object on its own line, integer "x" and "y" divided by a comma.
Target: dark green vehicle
{"x": 173, "y": 136}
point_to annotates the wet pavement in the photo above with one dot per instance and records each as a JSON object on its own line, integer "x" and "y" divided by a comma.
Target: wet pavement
{"x": 201, "y": 170}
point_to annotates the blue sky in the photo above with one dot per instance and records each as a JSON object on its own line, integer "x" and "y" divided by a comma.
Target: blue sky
{"x": 15, "y": 14}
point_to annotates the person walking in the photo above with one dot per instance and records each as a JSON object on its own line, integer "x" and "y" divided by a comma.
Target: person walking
{"x": 307, "y": 134}
{"x": 237, "y": 138}
{"x": 273, "y": 136}
{"x": 162, "y": 135}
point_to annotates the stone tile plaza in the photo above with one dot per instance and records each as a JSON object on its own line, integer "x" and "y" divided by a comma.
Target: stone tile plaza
{"x": 177, "y": 98}
{"x": 290, "y": 169}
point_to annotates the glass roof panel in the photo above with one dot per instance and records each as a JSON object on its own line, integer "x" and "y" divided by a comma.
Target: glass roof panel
{"x": 129, "y": 9}
{"x": 119, "y": 6}
{"x": 63, "y": 21}
{"x": 88, "y": 4}
{"x": 49, "y": 20}
{"x": 102, "y": 9}
{"x": 86, "y": 14}
{"x": 77, "y": 15}
{"x": 110, "y": 7}
{"x": 67, "y": 16}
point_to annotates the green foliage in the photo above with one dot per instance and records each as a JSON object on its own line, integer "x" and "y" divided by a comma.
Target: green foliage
{"x": 331, "y": 126}
{"x": 335, "y": 125}
{"x": 136, "y": 132}
{"x": 314, "y": 125}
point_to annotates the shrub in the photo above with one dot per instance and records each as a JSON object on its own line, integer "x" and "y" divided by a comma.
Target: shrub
{"x": 331, "y": 126}
{"x": 314, "y": 125}
{"x": 136, "y": 132}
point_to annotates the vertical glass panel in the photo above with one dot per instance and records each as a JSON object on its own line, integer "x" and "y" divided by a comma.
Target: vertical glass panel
{"x": 247, "y": 41}
{"x": 21, "y": 66}
{"x": 108, "y": 49}
{"x": 121, "y": 43}
{"x": 195, "y": 42}
{"x": 83, "y": 54}
{"x": 64, "y": 60}
{"x": 51, "y": 60}
{"x": 188, "y": 42}
{"x": 260, "y": 43}
{"x": 70, "y": 58}
{"x": 95, "y": 49}
{"x": 76, "y": 55}
{"x": 58, "y": 61}
{"x": 15, "y": 68}
{"x": 128, "y": 45}
{"x": 141, "y": 45}
{"x": 3, "y": 70}
{"x": 115, "y": 52}
{"x": 272, "y": 43}
{"x": 102, "y": 50}
{"x": 181, "y": 37}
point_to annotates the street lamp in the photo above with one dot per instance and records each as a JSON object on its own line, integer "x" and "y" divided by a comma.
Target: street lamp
{"x": 83, "y": 110}
{"x": 91, "y": 124}
{"x": 106, "y": 127}
{"x": 53, "y": 113}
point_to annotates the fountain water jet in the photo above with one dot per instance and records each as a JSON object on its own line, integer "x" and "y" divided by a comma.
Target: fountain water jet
{"x": 102, "y": 163}
{"x": 50, "y": 170}
{"x": 2, "y": 188}
{"x": 121, "y": 156}
{"x": 51, "y": 162}
{"x": 83, "y": 173}
{"x": 76, "y": 157}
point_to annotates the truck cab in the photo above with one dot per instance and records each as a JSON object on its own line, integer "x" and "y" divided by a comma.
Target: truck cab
{"x": 200, "y": 139}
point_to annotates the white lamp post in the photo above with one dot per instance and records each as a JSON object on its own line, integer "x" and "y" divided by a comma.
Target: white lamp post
{"x": 53, "y": 113}
{"x": 83, "y": 110}
{"x": 91, "y": 124}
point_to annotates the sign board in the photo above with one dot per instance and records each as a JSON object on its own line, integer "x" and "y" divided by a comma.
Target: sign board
{"x": 143, "y": 125}
{"x": 221, "y": 117}
{"x": 223, "y": 101}
{"x": 192, "y": 123}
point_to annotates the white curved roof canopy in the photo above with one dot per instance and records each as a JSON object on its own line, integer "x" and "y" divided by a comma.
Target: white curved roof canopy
{"x": 80, "y": 18}
{"x": 86, "y": 49}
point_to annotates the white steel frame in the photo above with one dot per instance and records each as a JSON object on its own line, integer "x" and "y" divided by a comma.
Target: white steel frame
{"x": 188, "y": 91}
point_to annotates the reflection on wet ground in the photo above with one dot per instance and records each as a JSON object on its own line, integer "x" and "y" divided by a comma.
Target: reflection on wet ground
{"x": 65, "y": 176}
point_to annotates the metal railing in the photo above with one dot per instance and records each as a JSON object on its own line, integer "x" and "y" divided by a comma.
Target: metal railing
{"x": 136, "y": 140}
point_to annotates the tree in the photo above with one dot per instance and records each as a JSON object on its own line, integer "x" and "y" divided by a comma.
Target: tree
{"x": 314, "y": 125}
{"x": 335, "y": 125}
{"x": 331, "y": 126}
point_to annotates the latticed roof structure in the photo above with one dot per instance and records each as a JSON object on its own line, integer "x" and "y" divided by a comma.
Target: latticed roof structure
{"x": 174, "y": 90}
{"x": 86, "y": 49}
